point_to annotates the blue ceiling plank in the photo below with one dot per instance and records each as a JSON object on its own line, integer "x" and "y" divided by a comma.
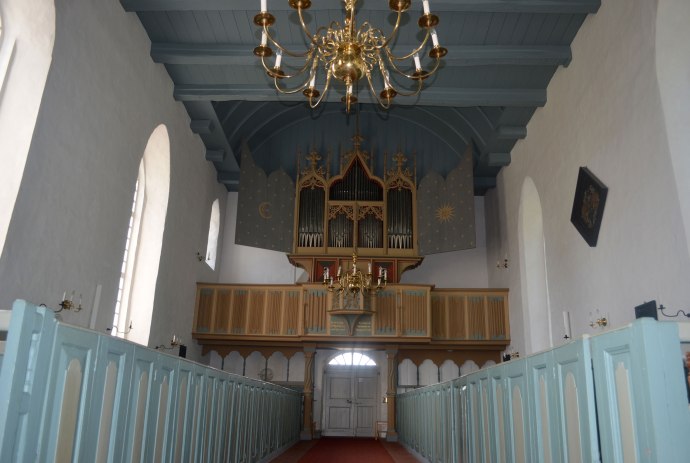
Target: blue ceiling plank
{"x": 424, "y": 123}
{"x": 493, "y": 6}
{"x": 432, "y": 96}
{"x": 458, "y": 55}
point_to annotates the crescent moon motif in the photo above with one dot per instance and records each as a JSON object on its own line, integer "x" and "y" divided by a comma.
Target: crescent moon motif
{"x": 264, "y": 212}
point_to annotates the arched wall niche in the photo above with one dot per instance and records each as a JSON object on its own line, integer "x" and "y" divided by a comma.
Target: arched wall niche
{"x": 26, "y": 49}
{"x": 156, "y": 159}
{"x": 535, "y": 304}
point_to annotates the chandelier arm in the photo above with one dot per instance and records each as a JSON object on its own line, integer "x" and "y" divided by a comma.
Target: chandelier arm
{"x": 305, "y": 29}
{"x": 394, "y": 33}
{"x": 326, "y": 88}
{"x": 376, "y": 96}
{"x": 407, "y": 94}
{"x": 397, "y": 69}
{"x": 285, "y": 50}
{"x": 391, "y": 56}
{"x": 271, "y": 72}
{"x": 424, "y": 74}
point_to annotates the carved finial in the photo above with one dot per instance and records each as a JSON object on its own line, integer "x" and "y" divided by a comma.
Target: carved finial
{"x": 313, "y": 159}
{"x": 400, "y": 159}
{"x": 357, "y": 141}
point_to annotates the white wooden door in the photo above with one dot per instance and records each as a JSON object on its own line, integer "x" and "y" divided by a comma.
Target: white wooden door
{"x": 350, "y": 401}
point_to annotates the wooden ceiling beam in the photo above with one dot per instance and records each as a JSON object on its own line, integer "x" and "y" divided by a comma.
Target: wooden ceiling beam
{"x": 461, "y": 6}
{"x": 458, "y": 55}
{"x": 432, "y": 96}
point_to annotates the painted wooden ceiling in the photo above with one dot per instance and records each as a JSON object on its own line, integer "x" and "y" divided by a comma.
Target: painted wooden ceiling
{"x": 501, "y": 56}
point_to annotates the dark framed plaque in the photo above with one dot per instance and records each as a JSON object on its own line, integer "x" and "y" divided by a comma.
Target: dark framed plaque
{"x": 588, "y": 206}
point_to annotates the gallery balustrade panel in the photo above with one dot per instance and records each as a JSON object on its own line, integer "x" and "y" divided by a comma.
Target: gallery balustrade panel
{"x": 310, "y": 310}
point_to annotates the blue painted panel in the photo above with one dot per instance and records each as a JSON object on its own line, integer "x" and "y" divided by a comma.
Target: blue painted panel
{"x": 27, "y": 358}
{"x": 70, "y": 375}
{"x": 641, "y": 398}
{"x": 517, "y": 400}
{"x": 544, "y": 410}
{"x": 127, "y": 402}
{"x": 572, "y": 363}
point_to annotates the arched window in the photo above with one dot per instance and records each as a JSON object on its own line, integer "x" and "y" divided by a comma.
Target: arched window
{"x": 352, "y": 359}
{"x": 213, "y": 230}
{"x": 134, "y": 306}
{"x": 121, "y": 322}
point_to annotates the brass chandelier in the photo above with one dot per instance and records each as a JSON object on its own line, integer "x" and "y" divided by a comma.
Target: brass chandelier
{"x": 354, "y": 281}
{"x": 348, "y": 54}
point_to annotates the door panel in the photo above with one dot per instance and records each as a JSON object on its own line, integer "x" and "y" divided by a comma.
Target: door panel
{"x": 350, "y": 402}
{"x": 366, "y": 382}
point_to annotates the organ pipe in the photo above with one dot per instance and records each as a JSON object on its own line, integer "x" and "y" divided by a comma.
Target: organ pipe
{"x": 356, "y": 208}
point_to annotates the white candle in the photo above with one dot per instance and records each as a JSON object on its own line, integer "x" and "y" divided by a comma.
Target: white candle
{"x": 417, "y": 63}
{"x": 64, "y": 294}
{"x": 279, "y": 58}
{"x": 264, "y": 38}
{"x": 340, "y": 269}
{"x": 312, "y": 82}
{"x": 425, "y": 4}
{"x": 380, "y": 272}
{"x": 369, "y": 269}
{"x": 434, "y": 37}
{"x": 94, "y": 306}
{"x": 566, "y": 323}
{"x": 264, "y": 8}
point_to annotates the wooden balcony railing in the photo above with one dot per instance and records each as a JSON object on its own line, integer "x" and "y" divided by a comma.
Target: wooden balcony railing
{"x": 403, "y": 313}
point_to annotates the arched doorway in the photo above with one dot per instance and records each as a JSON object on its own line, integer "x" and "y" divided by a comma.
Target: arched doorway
{"x": 535, "y": 301}
{"x": 350, "y": 391}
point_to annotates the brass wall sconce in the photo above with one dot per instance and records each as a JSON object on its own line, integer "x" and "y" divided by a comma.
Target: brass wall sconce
{"x": 598, "y": 321}
{"x": 174, "y": 342}
{"x": 502, "y": 264}
{"x": 69, "y": 304}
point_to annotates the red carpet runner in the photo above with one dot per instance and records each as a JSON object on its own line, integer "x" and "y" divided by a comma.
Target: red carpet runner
{"x": 343, "y": 450}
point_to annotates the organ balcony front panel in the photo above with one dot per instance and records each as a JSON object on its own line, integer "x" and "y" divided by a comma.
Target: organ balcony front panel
{"x": 416, "y": 314}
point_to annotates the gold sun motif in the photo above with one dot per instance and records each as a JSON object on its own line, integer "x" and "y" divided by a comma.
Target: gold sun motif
{"x": 445, "y": 213}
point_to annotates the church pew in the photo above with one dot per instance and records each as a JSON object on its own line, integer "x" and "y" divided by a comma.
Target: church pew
{"x": 615, "y": 397}
{"x": 71, "y": 394}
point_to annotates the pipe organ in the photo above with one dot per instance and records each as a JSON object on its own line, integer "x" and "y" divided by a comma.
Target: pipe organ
{"x": 355, "y": 212}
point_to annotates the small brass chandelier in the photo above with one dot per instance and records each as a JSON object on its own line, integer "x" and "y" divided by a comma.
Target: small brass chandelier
{"x": 348, "y": 54}
{"x": 354, "y": 281}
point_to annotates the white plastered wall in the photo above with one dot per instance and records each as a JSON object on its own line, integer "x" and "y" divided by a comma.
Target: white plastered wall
{"x": 103, "y": 98}
{"x": 605, "y": 112}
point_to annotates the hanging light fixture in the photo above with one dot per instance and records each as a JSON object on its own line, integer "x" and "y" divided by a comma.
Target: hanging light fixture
{"x": 354, "y": 281}
{"x": 348, "y": 54}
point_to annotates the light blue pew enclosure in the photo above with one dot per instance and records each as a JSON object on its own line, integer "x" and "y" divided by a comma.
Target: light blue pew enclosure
{"x": 68, "y": 394}
{"x": 618, "y": 397}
